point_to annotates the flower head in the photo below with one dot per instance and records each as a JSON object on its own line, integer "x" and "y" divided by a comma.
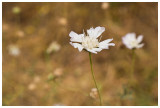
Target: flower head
{"x": 130, "y": 41}
{"x": 90, "y": 41}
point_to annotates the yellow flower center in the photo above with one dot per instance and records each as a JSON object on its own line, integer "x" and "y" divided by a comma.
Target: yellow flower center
{"x": 90, "y": 42}
{"x": 134, "y": 43}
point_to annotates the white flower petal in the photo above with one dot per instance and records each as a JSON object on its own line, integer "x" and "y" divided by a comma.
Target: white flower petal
{"x": 107, "y": 41}
{"x": 129, "y": 46}
{"x": 97, "y": 49}
{"x": 90, "y": 32}
{"x": 76, "y": 37}
{"x": 128, "y": 38}
{"x": 140, "y": 45}
{"x": 99, "y": 31}
{"x": 139, "y": 38}
{"x": 131, "y": 36}
{"x": 111, "y": 44}
{"x": 77, "y": 45}
{"x": 73, "y": 34}
{"x": 95, "y": 32}
{"x": 124, "y": 40}
{"x": 105, "y": 44}
{"x": 92, "y": 51}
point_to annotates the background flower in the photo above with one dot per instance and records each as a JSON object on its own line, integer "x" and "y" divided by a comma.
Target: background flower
{"x": 53, "y": 47}
{"x": 94, "y": 93}
{"x": 13, "y": 50}
{"x": 130, "y": 41}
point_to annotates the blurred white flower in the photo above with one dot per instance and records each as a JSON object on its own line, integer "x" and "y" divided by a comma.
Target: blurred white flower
{"x": 31, "y": 86}
{"x": 13, "y": 50}
{"x": 130, "y": 41}
{"x": 46, "y": 86}
{"x": 94, "y": 93}
{"x": 5, "y": 27}
{"x": 105, "y": 5}
{"x": 37, "y": 79}
{"x": 16, "y": 10}
{"x": 58, "y": 72}
{"x": 53, "y": 47}
{"x": 62, "y": 21}
{"x": 20, "y": 33}
{"x": 90, "y": 42}
{"x": 58, "y": 104}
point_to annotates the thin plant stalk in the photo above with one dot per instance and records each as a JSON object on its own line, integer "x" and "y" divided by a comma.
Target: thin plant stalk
{"x": 133, "y": 64}
{"x": 93, "y": 76}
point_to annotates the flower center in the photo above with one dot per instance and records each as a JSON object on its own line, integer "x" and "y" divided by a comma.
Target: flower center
{"x": 134, "y": 43}
{"x": 90, "y": 42}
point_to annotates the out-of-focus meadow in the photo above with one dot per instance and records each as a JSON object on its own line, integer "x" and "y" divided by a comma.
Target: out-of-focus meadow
{"x": 40, "y": 67}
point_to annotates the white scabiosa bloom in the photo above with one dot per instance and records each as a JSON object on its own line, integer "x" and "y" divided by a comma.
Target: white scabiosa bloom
{"x": 131, "y": 42}
{"x": 90, "y": 41}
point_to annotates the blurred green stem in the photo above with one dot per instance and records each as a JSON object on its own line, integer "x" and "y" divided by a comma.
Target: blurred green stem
{"x": 133, "y": 64}
{"x": 93, "y": 76}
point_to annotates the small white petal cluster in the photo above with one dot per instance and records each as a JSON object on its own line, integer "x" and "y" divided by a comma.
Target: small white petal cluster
{"x": 90, "y": 41}
{"x": 13, "y": 50}
{"x": 131, "y": 42}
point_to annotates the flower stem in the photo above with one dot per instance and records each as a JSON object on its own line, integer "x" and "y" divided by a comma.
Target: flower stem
{"x": 93, "y": 76}
{"x": 133, "y": 63}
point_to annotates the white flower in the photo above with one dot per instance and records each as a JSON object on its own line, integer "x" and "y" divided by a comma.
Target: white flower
{"x": 53, "y": 47}
{"x": 94, "y": 93}
{"x": 63, "y": 21}
{"x": 20, "y": 33}
{"x": 58, "y": 72}
{"x": 13, "y": 50}
{"x": 105, "y": 5}
{"x": 130, "y": 41}
{"x": 58, "y": 104}
{"x": 90, "y": 42}
{"x": 31, "y": 86}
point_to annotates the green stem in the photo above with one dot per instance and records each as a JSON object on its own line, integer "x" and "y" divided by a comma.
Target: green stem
{"x": 93, "y": 76}
{"x": 133, "y": 63}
